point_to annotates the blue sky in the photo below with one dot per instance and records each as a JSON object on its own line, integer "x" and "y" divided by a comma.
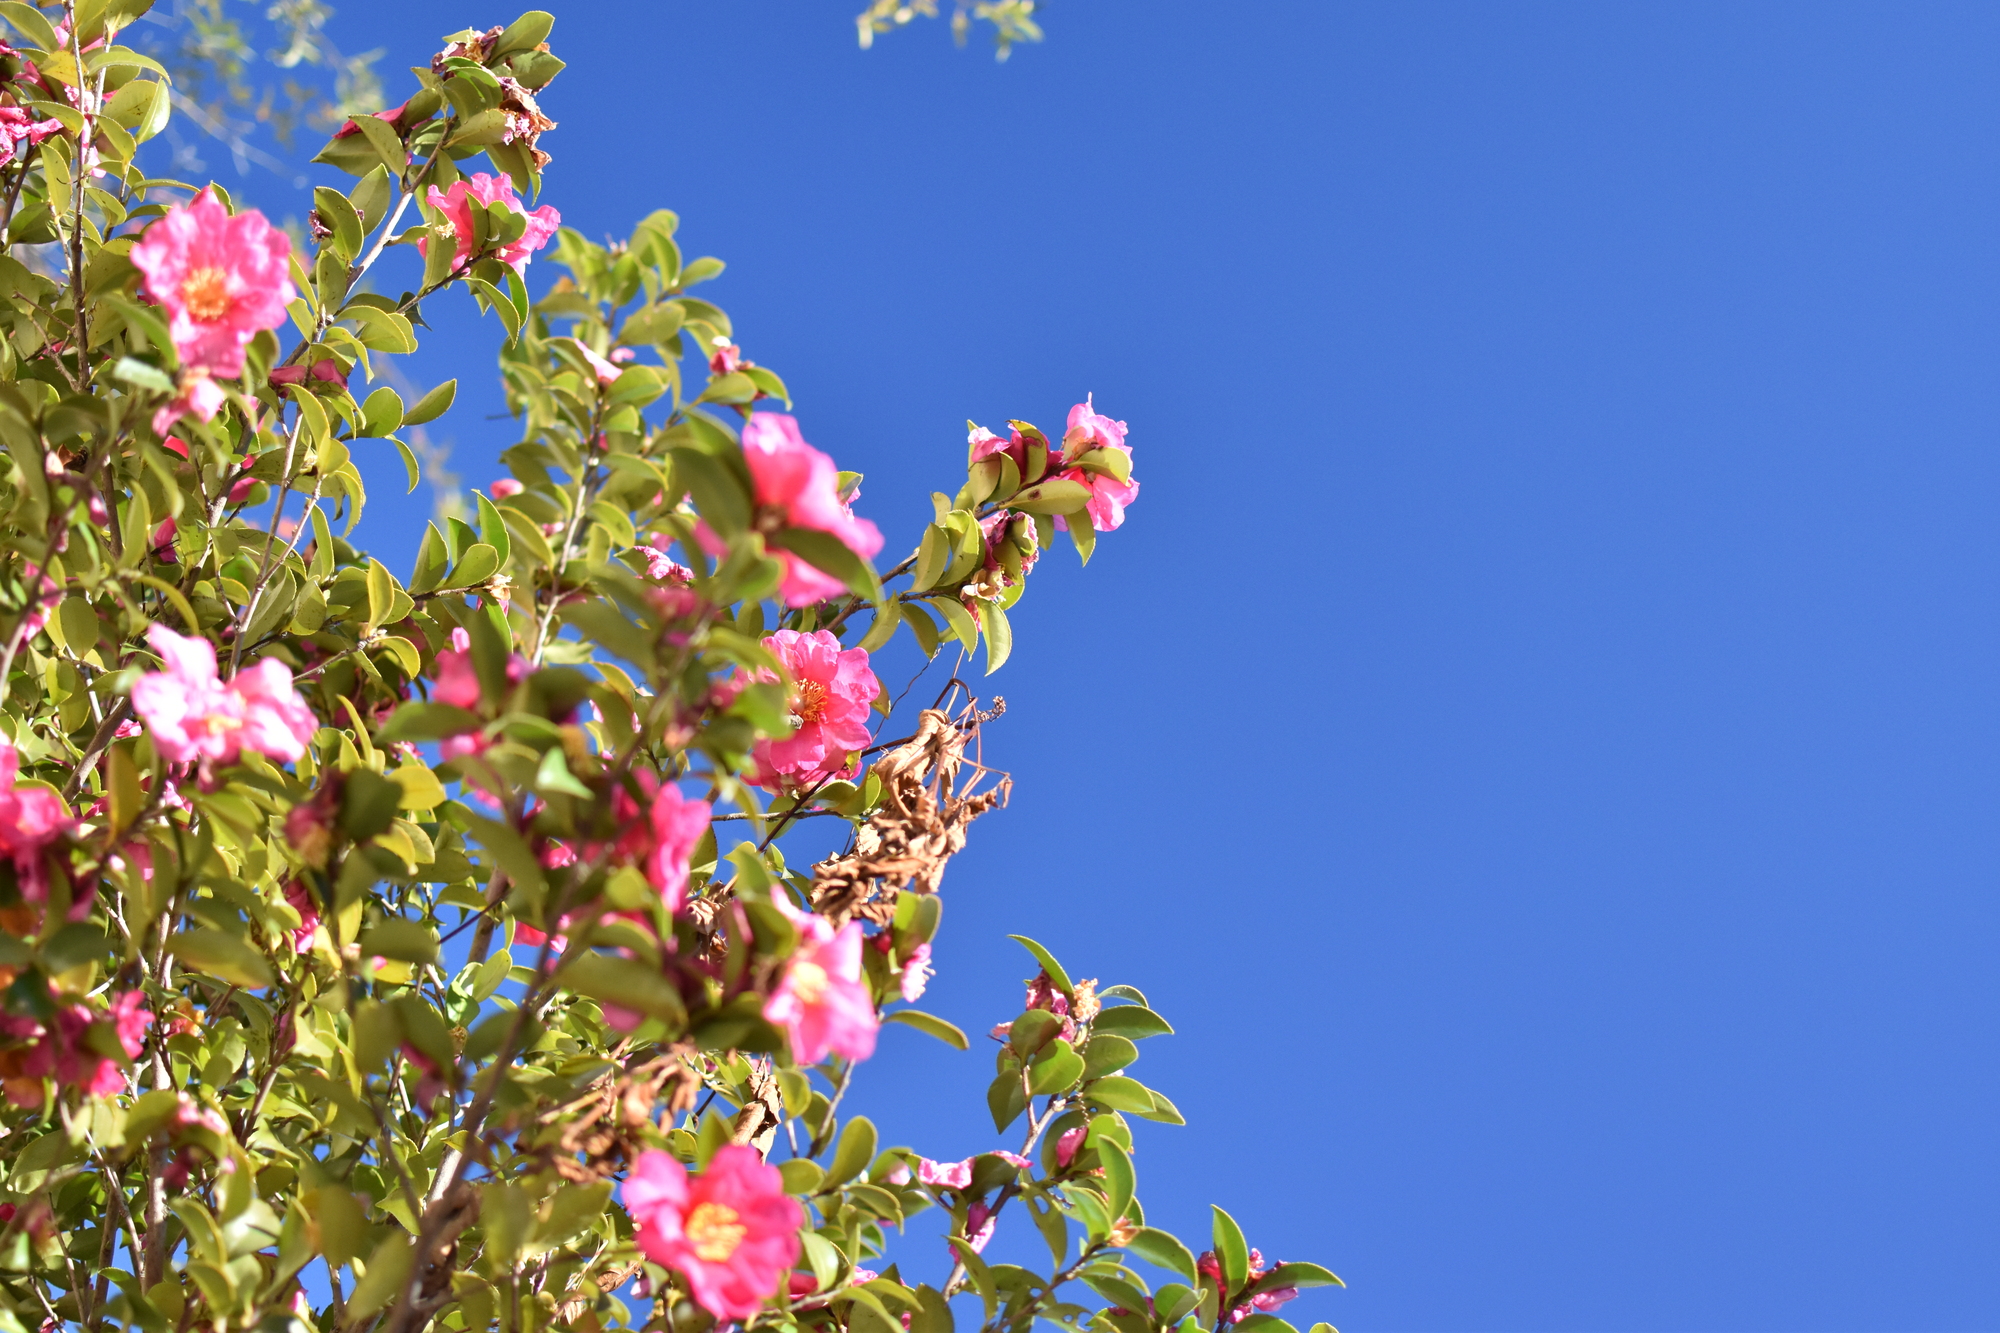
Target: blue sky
{"x": 1536, "y": 734}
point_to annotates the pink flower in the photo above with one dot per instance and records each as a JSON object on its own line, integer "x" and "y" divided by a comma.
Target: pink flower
{"x": 660, "y": 565}
{"x": 16, "y": 129}
{"x": 221, "y": 279}
{"x": 1012, "y": 1159}
{"x": 607, "y": 373}
{"x": 457, "y": 682}
{"x": 979, "y": 1223}
{"x": 677, "y": 825}
{"x": 30, "y": 819}
{"x": 194, "y": 715}
{"x": 823, "y": 1001}
{"x": 798, "y": 486}
{"x": 727, "y": 357}
{"x": 1108, "y": 496}
{"x": 504, "y": 487}
{"x": 302, "y": 903}
{"x": 65, "y": 1054}
{"x": 1069, "y": 1144}
{"x": 454, "y": 218}
{"x": 917, "y": 972}
{"x": 945, "y": 1175}
{"x": 731, "y": 1231}
{"x": 620, "y": 355}
{"x": 832, "y": 688}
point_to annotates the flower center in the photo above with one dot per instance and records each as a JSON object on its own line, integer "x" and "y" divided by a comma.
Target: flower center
{"x": 808, "y": 981}
{"x": 811, "y": 703}
{"x": 713, "y": 1230}
{"x": 206, "y": 292}
{"x": 212, "y": 724}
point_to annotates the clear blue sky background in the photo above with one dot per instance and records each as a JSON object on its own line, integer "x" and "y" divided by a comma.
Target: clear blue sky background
{"x": 1536, "y": 735}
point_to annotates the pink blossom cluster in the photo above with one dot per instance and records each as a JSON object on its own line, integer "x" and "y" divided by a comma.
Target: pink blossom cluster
{"x": 1088, "y": 429}
{"x": 31, "y": 818}
{"x": 823, "y": 1001}
{"x": 453, "y": 220}
{"x": 192, "y": 714}
{"x": 61, "y": 1050}
{"x": 1262, "y": 1303}
{"x": 797, "y": 486}
{"x": 732, "y": 1231}
{"x": 17, "y": 129}
{"x": 832, "y": 689}
{"x": 1042, "y": 994}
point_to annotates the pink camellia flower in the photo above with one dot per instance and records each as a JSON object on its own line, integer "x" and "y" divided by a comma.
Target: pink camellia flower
{"x": 1069, "y": 1144}
{"x": 220, "y": 278}
{"x": 798, "y": 486}
{"x": 1012, "y": 1159}
{"x": 620, "y": 355}
{"x": 64, "y": 1052}
{"x": 607, "y": 372}
{"x": 457, "y": 683}
{"x": 979, "y": 1223}
{"x": 504, "y": 487}
{"x": 194, "y": 715}
{"x": 454, "y": 218}
{"x": 16, "y": 129}
{"x": 832, "y": 688}
{"x": 30, "y": 819}
{"x": 731, "y": 1231}
{"x": 677, "y": 825}
{"x": 393, "y": 116}
{"x": 823, "y": 1001}
{"x": 302, "y": 903}
{"x": 726, "y": 358}
{"x": 917, "y": 972}
{"x": 945, "y": 1175}
{"x": 1089, "y": 429}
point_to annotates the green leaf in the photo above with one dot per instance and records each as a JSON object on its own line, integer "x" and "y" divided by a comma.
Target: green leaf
{"x": 1131, "y": 1020}
{"x": 929, "y": 1024}
{"x": 388, "y": 1270}
{"x": 1294, "y": 1275}
{"x": 801, "y": 1175}
{"x": 1048, "y": 962}
{"x": 222, "y": 955}
{"x": 1232, "y": 1252}
{"x": 1107, "y": 1053}
{"x": 1119, "y": 1180}
{"x": 855, "y": 1151}
{"x": 395, "y": 937}
{"x": 135, "y": 372}
{"x": 28, "y": 21}
{"x": 1164, "y": 1249}
{"x": 922, "y": 626}
{"x": 627, "y": 983}
{"x": 420, "y": 721}
{"x": 1056, "y": 1068}
{"x": 999, "y": 635}
{"x": 1120, "y": 1093}
{"x": 553, "y": 775}
{"x": 933, "y": 557}
{"x": 381, "y": 330}
{"x": 1057, "y": 495}
{"x": 432, "y": 405}
{"x": 1005, "y": 1100}
{"x": 962, "y": 624}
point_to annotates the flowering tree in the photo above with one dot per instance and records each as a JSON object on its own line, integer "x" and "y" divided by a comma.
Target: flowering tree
{"x": 385, "y": 952}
